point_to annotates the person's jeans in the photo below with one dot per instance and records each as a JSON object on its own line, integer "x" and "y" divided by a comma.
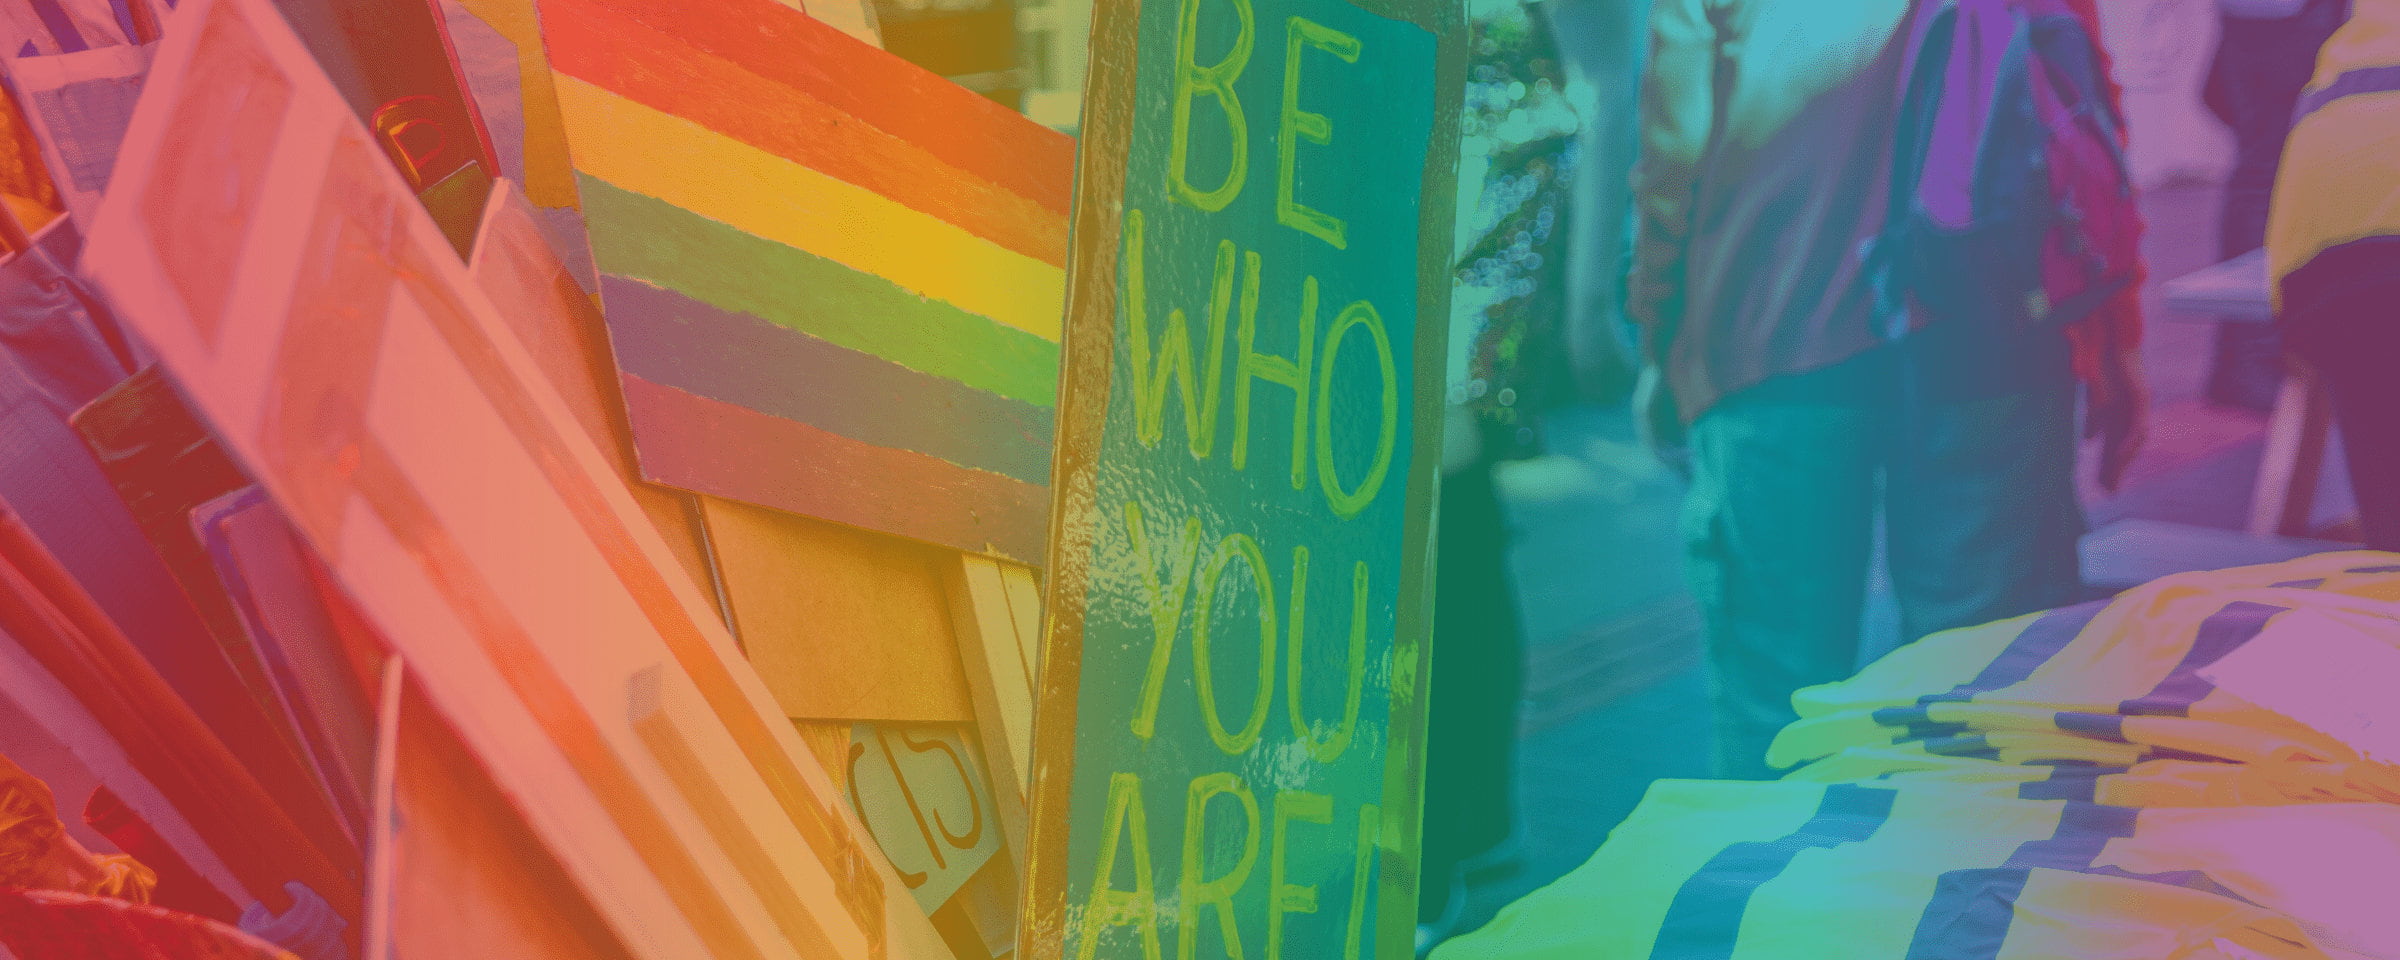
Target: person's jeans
{"x": 2340, "y": 316}
{"x": 1980, "y": 513}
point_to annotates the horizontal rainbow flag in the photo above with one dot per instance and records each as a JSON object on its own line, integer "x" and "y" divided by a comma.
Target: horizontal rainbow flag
{"x": 833, "y": 280}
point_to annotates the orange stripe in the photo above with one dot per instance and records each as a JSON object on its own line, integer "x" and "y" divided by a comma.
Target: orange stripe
{"x": 791, "y": 49}
{"x": 666, "y": 72}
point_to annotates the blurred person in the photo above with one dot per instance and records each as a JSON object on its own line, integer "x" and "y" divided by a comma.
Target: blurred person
{"x": 2333, "y": 247}
{"x": 1511, "y": 368}
{"x": 1768, "y": 132}
{"x": 2265, "y": 51}
{"x": 1600, "y": 45}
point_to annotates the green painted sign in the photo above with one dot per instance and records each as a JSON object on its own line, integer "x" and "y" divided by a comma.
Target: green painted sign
{"x": 1228, "y": 756}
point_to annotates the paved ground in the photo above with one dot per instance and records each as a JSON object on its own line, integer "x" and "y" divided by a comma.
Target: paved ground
{"x": 1615, "y": 696}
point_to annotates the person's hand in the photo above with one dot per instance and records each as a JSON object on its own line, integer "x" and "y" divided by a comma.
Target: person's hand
{"x": 2117, "y": 413}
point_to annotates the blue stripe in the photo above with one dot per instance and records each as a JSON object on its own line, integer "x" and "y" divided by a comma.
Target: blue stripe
{"x": 2032, "y": 647}
{"x": 1705, "y": 918}
{"x": 2349, "y": 84}
{"x": 2391, "y": 569}
{"x": 2103, "y": 726}
{"x": 2077, "y": 780}
{"x": 2026, "y": 652}
{"x": 1974, "y": 745}
{"x": 2218, "y": 635}
{"x": 1970, "y": 911}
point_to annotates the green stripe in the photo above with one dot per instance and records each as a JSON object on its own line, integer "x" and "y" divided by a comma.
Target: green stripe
{"x": 667, "y": 246}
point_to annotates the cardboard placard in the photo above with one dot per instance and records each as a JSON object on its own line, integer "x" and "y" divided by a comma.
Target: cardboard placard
{"x": 1232, "y": 707}
{"x": 922, "y": 793}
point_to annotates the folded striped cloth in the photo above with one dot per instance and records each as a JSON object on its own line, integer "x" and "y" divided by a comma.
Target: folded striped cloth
{"x": 1805, "y": 871}
{"x": 2069, "y": 785}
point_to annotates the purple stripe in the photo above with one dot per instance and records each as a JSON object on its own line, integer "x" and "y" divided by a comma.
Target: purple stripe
{"x": 677, "y": 341}
{"x": 2353, "y": 83}
{"x": 62, "y": 29}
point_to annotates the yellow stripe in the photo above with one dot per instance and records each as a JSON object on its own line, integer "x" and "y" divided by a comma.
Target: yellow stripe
{"x": 678, "y": 161}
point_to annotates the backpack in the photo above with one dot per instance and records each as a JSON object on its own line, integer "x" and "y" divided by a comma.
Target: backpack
{"x": 2011, "y": 199}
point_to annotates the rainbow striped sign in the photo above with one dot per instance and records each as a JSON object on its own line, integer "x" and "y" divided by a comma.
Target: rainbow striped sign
{"x": 834, "y": 281}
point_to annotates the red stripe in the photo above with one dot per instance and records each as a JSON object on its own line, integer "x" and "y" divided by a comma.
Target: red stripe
{"x": 793, "y": 50}
{"x": 666, "y": 74}
{"x": 724, "y": 450}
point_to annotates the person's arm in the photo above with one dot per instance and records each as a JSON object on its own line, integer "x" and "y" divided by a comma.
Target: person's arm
{"x": 2117, "y": 396}
{"x": 1679, "y": 102}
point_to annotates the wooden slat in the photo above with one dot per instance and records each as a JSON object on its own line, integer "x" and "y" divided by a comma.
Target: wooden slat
{"x": 1025, "y": 603}
{"x": 560, "y": 325}
{"x": 993, "y": 652}
{"x": 671, "y": 746}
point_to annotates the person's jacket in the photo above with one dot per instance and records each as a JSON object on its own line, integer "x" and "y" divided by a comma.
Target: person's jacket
{"x": 1767, "y": 130}
{"x": 2336, "y": 216}
{"x": 1767, "y": 134}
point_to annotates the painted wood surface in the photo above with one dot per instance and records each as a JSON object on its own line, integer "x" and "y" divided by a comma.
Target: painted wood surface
{"x": 338, "y": 346}
{"x": 833, "y": 279}
{"x": 842, "y": 624}
{"x": 1229, "y": 755}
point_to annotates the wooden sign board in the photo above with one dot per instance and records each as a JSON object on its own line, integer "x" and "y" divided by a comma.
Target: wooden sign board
{"x": 832, "y": 279}
{"x": 1229, "y": 746}
{"x": 315, "y": 315}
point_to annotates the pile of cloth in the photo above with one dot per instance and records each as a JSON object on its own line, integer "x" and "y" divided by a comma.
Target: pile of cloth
{"x": 2199, "y": 769}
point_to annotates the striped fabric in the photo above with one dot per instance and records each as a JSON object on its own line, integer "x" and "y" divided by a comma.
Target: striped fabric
{"x": 1804, "y": 871}
{"x": 834, "y": 281}
{"x": 2064, "y": 785}
{"x": 2111, "y": 682}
